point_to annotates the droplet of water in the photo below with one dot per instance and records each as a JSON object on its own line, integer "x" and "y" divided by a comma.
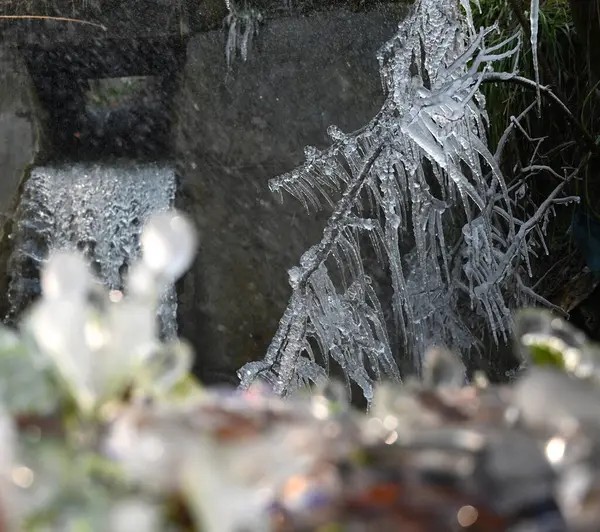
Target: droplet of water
{"x": 168, "y": 244}
{"x": 443, "y": 368}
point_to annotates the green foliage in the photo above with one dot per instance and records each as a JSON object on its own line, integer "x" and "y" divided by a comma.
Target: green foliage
{"x": 545, "y": 354}
{"x": 545, "y": 340}
{"x": 549, "y": 140}
{"x": 560, "y": 58}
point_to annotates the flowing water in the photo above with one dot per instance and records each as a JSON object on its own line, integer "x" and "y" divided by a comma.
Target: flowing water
{"x": 96, "y": 209}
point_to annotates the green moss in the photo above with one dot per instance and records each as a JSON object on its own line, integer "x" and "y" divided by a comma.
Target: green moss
{"x": 546, "y": 355}
{"x": 559, "y": 58}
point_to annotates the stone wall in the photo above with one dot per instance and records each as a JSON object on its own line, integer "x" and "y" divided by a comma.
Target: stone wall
{"x": 234, "y": 131}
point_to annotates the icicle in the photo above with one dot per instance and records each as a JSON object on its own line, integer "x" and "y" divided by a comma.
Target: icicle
{"x": 534, "y": 14}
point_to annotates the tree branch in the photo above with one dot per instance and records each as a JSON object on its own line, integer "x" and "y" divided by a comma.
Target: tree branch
{"x": 331, "y": 231}
{"x": 540, "y": 299}
{"x": 509, "y": 129}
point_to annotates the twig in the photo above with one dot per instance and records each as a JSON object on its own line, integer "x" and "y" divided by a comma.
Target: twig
{"x": 493, "y": 77}
{"x": 550, "y": 270}
{"x": 58, "y": 19}
{"x": 535, "y": 168}
{"x": 343, "y": 209}
{"x": 540, "y": 298}
{"x": 528, "y": 226}
{"x": 505, "y": 136}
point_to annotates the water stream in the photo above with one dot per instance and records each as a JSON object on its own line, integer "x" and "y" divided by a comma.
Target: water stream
{"x": 98, "y": 209}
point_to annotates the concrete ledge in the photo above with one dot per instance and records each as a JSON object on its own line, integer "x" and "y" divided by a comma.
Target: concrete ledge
{"x": 146, "y": 19}
{"x": 100, "y": 19}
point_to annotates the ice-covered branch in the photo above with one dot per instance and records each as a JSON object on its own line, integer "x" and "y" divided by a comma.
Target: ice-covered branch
{"x": 441, "y": 217}
{"x": 313, "y": 259}
{"x": 525, "y": 228}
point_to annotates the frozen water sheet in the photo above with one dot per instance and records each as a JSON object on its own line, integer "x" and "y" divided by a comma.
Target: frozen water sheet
{"x": 96, "y": 209}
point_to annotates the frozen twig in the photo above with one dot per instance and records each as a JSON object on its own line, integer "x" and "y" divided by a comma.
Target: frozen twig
{"x": 342, "y": 211}
{"x": 512, "y": 251}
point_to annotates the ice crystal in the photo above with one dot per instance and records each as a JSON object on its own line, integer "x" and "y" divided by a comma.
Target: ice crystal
{"x": 95, "y": 343}
{"x": 420, "y": 184}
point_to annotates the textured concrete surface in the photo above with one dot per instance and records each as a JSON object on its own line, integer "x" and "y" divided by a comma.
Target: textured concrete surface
{"x": 20, "y": 141}
{"x": 78, "y": 22}
{"x": 19, "y": 127}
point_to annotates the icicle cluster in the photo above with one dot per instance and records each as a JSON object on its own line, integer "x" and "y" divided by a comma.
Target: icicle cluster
{"x": 419, "y": 176}
{"x": 242, "y": 26}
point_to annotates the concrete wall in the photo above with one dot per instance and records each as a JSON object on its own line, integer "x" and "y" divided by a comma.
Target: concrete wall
{"x": 47, "y": 24}
{"x": 20, "y": 132}
{"x": 233, "y": 132}
{"x": 237, "y": 130}
{"x": 20, "y": 142}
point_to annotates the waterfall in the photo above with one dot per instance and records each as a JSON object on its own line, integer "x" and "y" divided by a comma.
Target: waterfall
{"x": 97, "y": 209}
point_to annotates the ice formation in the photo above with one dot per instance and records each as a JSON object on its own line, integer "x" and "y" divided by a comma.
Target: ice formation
{"x": 534, "y": 15}
{"x": 419, "y": 175}
{"x": 243, "y": 24}
{"x": 96, "y": 342}
{"x": 96, "y": 209}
